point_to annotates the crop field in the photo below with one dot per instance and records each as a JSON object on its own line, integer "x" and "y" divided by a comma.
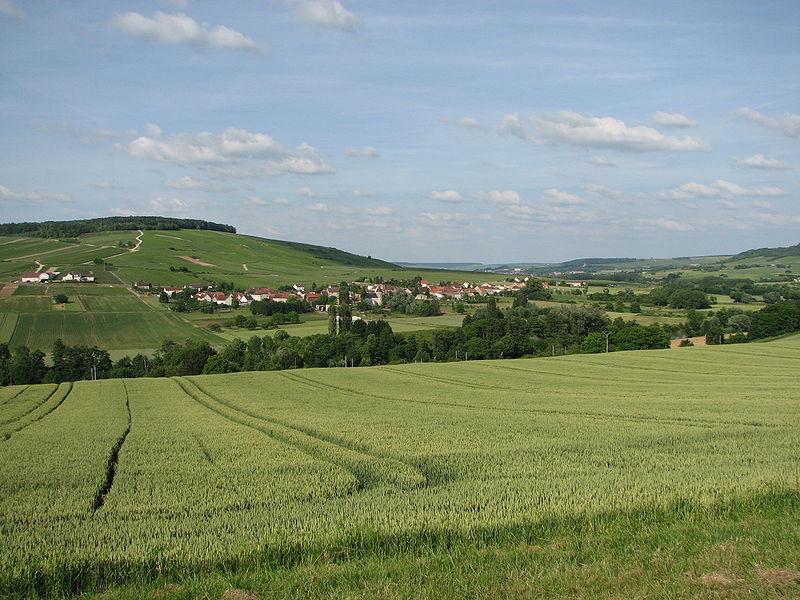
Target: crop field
{"x": 8, "y": 323}
{"x": 108, "y": 330}
{"x": 125, "y": 481}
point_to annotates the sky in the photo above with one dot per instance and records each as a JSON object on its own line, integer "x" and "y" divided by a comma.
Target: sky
{"x": 431, "y": 131}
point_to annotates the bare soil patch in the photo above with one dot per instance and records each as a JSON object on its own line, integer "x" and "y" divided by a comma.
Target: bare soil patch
{"x": 779, "y": 576}
{"x": 196, "y": 261}
{"x": 8, "y": 290}
{"x": 716, "y": 580}
{"x": 174, "y": 237}
{"x": 697, "y": 341}
{"x": 239, "y": 595}
{"x": 244, "y": 266}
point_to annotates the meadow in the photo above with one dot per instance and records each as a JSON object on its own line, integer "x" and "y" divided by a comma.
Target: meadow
{"x": 227, "y": 478}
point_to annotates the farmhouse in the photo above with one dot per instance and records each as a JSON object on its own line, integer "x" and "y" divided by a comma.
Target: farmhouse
{"x": 79, "y": 277}
{"x": 31, "y": 277}
{"x": 143, "y": 285}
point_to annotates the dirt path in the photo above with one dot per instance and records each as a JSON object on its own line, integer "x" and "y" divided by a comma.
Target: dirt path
{"x": 244, "y": 266}
{"x": 195, "y": 261}
{"x": 11, "y": 241}
{"x": 134, "y": 249}
{"x": 39, "y": 266}
{"x": 37, "y": 254}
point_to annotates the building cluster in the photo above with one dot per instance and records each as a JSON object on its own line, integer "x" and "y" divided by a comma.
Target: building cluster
{"x": 374, "y": 294}
{"x": 48, "y": 276}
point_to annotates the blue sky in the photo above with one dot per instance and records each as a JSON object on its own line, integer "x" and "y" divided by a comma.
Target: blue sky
{"x": 423, "y": 131}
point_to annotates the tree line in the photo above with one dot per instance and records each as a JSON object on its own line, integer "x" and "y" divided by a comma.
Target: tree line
{"x": 72, "y": 229}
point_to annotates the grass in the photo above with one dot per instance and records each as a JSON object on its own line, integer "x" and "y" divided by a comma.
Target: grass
{"x": 586, "y": 476}
{"x": 8, "y": 323}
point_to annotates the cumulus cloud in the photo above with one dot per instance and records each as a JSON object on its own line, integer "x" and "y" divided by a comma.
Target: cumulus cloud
{"x": 198, "y": 185}
{"x": 787, "y": 123}
{"x": 299, "y": 165}
{"x": 308, "y": 192}
{"x": 444, "y": 219}
{"x": 665, "y": 119}
{"x": 504, "y": 196}
{"x": 182, "y": 4}
{"x": 602, "y": 161}
{"x": 365, "y": 152}
{"x": 185, "y": 148}
{"x": 329, "y": 14}
{"x": 7, "y": 7}
{"x": 362, "y": 193}
{"x": 719, "y": 189}
{"x": 7, "y": 194}
{"x": 181, "y": 29}
{"x": 318, "y": 207}
{"x": 169, "y": 205}
{"x": 261, "y": 201}
{"x": 759, "y": 161}
{"x": 596, "y": 132}
{"x": 447, "y": 196}
{"x": 123, "y": 212}
{"x": 554, "y": 196}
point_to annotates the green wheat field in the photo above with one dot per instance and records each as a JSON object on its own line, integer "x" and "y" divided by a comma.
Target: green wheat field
{"x": 127, "y": 482}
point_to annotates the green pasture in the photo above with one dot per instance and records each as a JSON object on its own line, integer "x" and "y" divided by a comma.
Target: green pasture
{"x": 237, "y": 478}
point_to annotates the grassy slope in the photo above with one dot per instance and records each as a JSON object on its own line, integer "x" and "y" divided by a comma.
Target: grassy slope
{"x": 640, "y": 487}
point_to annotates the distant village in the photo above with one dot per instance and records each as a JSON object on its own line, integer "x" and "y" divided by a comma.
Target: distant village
{"x": 371, "y": 293}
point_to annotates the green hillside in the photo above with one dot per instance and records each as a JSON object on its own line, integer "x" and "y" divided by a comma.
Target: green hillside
{"x": 458, "y": 480}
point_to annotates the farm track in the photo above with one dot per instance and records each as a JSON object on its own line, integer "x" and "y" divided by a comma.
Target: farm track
{"x": 368, "y": 469}
{"x": 688, "y": 422}
{"x": 58, "y": 395}
{"x": 113, "y": 459}
{"x": 449, "y": 381}
{"x": 31, "y": 409}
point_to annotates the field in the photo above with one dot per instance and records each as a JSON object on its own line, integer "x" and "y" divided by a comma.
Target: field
{"x": 511, "y": 465}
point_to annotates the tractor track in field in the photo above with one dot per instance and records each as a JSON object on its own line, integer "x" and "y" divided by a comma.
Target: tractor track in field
{"x": 701, "y": 423}
{"x": 448, "y": 381}
{"x": 61, "y": 392}
{"x": 10, "y": 398}
{"x": 113, "y": 459}
{"x": 367, "y": 468}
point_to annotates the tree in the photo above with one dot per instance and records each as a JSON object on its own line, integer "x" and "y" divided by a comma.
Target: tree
{"x": 332, "y": 325}
{"x": 60, "y": 299}
{"x": 163, "y": 297}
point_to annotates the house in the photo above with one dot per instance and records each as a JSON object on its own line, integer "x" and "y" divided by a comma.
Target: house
{"x": 171, "y": 290}
{"x": 143, "y": 285}
{"x": 79, "y": 277}
{"x": 30, "y": 278}
{"x": 261, "y": 293}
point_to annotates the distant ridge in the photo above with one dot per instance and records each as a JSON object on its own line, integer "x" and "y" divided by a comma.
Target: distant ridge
{"x": 62, "y": 229}
{"x": 779, "y": 252}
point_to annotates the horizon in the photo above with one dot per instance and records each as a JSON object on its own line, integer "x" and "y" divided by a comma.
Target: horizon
{"x": 413, "y": 132}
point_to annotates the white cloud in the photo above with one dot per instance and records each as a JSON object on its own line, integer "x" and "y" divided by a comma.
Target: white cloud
{"x": 318, "y": 207}
{"x": 602, "y": 191}
{"x": 190, "y": 183}
{"x": 596, "y": 132}
{"x": 673, "y": 120}
{"x": 8, "y": 7}
{"x": 719, "y": 189}
{"x": 280, "y": 200}
{"x": 444, "y": 219}
{"x": 169, "y": 205}
{"x": 602, "y": 161}
{"x": 671, "y": 224}
{"x": 38, "y": 197}
{"x": 109, "y": 185}
{"x": 759, "y": 161}
{"x": 787, "y": 123}
{"x": 299, "y": 165}
{"x": 365, "y": 152}
{"x": 504, "y": 196}
{"x": 447, "y": 196}
{"x": 465, "y": 122}
{"x": 230, "y": 148}
{"x": 261, "y": 201}
{"x": 379, "y": 211}
{"x": 325, "y": 13}
{"x": 308, "y": 193}
{"x": 183, "y": 30}
{"x": 154, "y": 131}
{"x": 362, "y": 193}
{"x": 554, "y": 196}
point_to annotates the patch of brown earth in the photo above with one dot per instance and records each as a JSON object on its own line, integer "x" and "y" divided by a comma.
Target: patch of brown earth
{"x": 240, "y": 595}
{"x": 696, "y": 341}
{"x": 9, "y": 289}
{"x": 779, "y": 576}
{"x": 196, "y": 261}
{"x": 716, "y": 580}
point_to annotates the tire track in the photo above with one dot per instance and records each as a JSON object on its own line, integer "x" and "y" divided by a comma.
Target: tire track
{"x": 10, "y": 398}
{"x": 688, "y": 422}
{"x": 370, "y": 470}
{"x": 113, "y": 459}
{"x": 59, "y": 395}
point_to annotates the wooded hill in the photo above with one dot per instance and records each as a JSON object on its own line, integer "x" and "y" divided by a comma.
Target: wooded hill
{"x": 69, "y": 229}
